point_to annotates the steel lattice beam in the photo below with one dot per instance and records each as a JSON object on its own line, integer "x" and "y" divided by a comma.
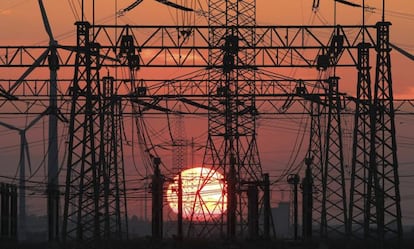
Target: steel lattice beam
{"x": 232, "y": 96}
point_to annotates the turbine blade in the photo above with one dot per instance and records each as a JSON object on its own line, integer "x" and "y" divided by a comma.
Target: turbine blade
{"x": 46, "y": 22}
{"x": 75, "y": 49}
{"x": 402, "y": 51}
{"x": 174, "y": 5}
{"x": 29, "y": 162}
{"x": 348, "y": 3}
{"x": 130, "y": 7}
{"x": 34, "y": 121}
{"x": 133, "y": 5}
{"x": 11, "y": 127}
{"x": 5, "y": 94}
{"x": 37, "y": 63}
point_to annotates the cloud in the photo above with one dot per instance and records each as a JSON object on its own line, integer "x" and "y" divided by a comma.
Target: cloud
{"x": 6, "y": 12}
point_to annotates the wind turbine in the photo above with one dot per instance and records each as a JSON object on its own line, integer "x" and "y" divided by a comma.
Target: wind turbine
{"x": 24, "y": 154}
{"x": 52, "y": 160}
{"x": 52, "y": 187}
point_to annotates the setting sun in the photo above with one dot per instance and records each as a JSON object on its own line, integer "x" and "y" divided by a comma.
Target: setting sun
{"x": 203, "y": 194}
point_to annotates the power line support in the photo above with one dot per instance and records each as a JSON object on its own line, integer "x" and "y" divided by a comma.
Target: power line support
{"x": 294, "y": 180}
{"x": 266, "y": 206}
{"x": 8, "y": 212}
{"x": 81, "y": 221}
{"x": 361, "y": 203}
{"x": 307, "y": 201}
{"x": 315, "y": 153}
{"x": 180, "y": 208}
{"x": 384, "y": 168}
{"x": 231, "y": 143}
{"x": 53, "y": 193}
{"x": 253, "y": 211}
{"x": 95, "y": 182}
{"x": 334, "y": 210}
{"x": 157, "y": 201}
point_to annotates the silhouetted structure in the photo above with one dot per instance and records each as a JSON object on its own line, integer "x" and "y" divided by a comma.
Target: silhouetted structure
{"x": 232, "y": 84}
{"x": 95, "y": 203}
{"x": 8, "y": 212}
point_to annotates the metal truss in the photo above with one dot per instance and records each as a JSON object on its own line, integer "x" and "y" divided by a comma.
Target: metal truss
{"x": 231, "y": 143}
{"x": 229, "y": 77}
{"x": 360, "y": 207}
{"x": 384, "y": 167}
{"x": 113, "y": 188}
{"x": 161, "y": 46}
{"x": 334, "y": 210}
{"x": 95, "y": 186}
{"x": 315, "y": 157}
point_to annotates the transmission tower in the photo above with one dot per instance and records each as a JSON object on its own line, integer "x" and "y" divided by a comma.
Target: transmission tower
{"x": 361, "y": 204}
{"x": 231, "y": 145}
{"x": 334, "y": 210}
{"x": 179, "y": 163}
{"x": 315, "y": 163}
{"x": 179, "y": 155}
{"x": 95, "y": 190}
{"x": 233, "y": 90}
{"x": 114, "y": 189}
{"x": 384, "y": 167}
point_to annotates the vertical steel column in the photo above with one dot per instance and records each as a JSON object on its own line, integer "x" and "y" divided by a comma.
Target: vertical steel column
{"x": 13, "y": 212}
{"x": 231, "y": 201}
{"x": 385, "y": 166}
{"x": 231, "y": 144}
{"x": 334, "y": 210}
{"x": 53, "y": 193}
{"x": 8, "y": 212}
{"x": 361, "y": 203}
{"x": 293, "y": 179}
{"x": 113, "y": 187}
{"x": 266, "y": 206}
{"x": 157, "y": 201}
{"x": 307, "y": 201}
{"x": 315, "y": 155}
{"x": 83, "y": 210}
{"x": 22, "y": 186}
{"x": 4, "y": 215}
{"x": 180, "y": 208}
{"x": 253, "y": 211}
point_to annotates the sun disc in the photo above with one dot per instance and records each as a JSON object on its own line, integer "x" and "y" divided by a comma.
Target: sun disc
{"x": 203, "y": 191}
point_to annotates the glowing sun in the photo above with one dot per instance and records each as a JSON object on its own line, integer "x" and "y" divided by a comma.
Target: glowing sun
{"x": 204, "y": 194}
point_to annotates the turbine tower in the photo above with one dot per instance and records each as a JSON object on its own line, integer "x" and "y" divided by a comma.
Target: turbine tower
{"x": 24, "y": 154}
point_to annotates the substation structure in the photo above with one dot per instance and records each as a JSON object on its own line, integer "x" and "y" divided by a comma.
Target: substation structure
{"x": 234, "y": 74}
{"x": 8, "y": 212}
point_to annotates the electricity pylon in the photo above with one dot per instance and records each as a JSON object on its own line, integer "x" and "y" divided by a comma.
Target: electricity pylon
{"x": 231, "y": 143}
{"x": 95, "y": 198}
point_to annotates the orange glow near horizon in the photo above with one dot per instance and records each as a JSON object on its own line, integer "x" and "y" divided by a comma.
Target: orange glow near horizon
{"x": 204, "y": 194}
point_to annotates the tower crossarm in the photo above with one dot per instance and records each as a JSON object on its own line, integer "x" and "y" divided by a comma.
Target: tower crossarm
{"x": 161, "y": 46}
{"x": 272, "y": 97}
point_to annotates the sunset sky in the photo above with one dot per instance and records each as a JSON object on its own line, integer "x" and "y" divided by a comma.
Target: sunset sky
{"x": 21, "y": 24}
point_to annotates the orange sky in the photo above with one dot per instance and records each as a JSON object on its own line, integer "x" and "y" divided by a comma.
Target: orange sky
{"x": 21, "y": 24}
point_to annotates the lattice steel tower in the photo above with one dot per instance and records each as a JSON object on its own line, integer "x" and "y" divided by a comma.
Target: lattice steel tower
{"x": 384, "y": 166}
{"x": 95, "y": 191}
{"x": 361, "y": 203}
{"x": 334, "y": 210}
{"x": 231, "y": 146}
